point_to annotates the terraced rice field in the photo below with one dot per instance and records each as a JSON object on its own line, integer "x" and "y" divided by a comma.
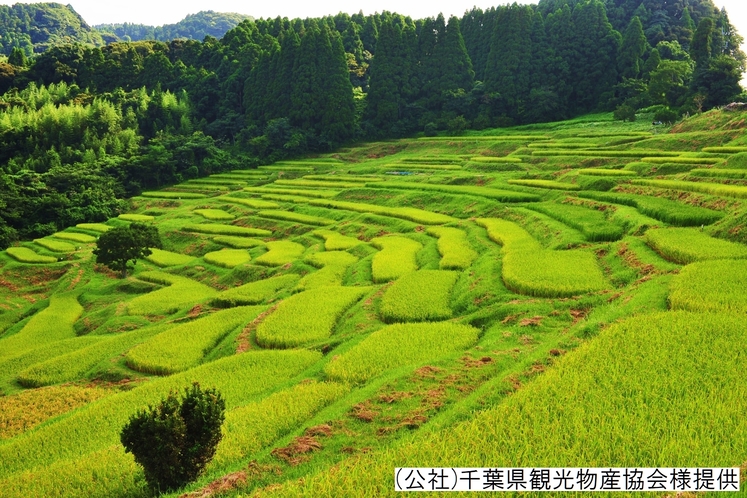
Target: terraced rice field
{"x": 558, "y": 295}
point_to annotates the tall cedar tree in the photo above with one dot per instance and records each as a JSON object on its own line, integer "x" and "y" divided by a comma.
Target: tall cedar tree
{"x": 634, "y": 46}
{"x": 509, "y": 70}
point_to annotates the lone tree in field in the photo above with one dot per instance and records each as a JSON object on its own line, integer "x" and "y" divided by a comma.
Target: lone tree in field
{"x": 117, "y": 247}
{"x": 175, "y": 440}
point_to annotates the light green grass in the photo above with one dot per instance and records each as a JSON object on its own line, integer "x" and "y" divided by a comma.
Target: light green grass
{"x": 76, "y": 364}
{"x": 425, "y": 167}
{"x": 711, "y": 286}
{"x": 333, "y": 265}
{"x": 456, "y": 252}
{"x": 688, "y": 245}
{"x": 671, "y": 212}
{"x": 255, "y": 292}
{"x": 26, "y": 255}
{"x": 405, "y": 213}
{"x": 216, "y": 229}
{"x": 490, "y": 193}
{"x": 591, "y": 222}
{"x": 682, "y": 159}
{"x": 564, "y": 415}
{"x": 136, "y": 217}
{"x": 280, "y": 252}
{"x": 307, "y": 317}
{"x": 528, "y": 269}
{"x": 214, "y": 214}
{"x": 334, "y": 241}
{"x": 172, "y": 195}
{"x": 181, "y": 292}
{"x": 96, "y": 427}
{"x": 251, "y": 427}
{"x": 296, "y": 218}
{"x": 551, "y": 184}
{"x": 53, "y": 323}
{"x": 721, "y": 173}
{"x": 606, "y": 172}
{"x": 316, "y": 183}
{"x": 55, "y": 245}
{"x": 238, "y": 242}
{"x": 75, "y": 237}
{"x": 396, "y": 258}
{"x": 252, "y": 203}
{"x": 228, "y": 258}
{"x": 95, "y": 227}
{"x": 288, "y": 191}
{"x": 419, "y": 297}
{"x": 167, "y": 258}
{"x": 725, "y": 150}
{"x": 653, "y": 154}
{"x": 400, "y": 345}
{"x": 184, "y": 346}
{"x": 343, "y": 178}
{"x": 736, "y": 191}
{"x": 493, "y": 159}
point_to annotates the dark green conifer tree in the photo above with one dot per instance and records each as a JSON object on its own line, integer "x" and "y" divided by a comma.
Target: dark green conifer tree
{"x": 634, "y": 45}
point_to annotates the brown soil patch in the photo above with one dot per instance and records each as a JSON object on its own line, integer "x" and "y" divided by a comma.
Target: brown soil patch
{"x": 244, "y": 344}
{"x": 427, "y": 371}
{"x": 394, "y": 397}
{"x": 363, "y": 412}
{"x": 531, "y": 322}
{"x": 195, "y": 312}
{"x": 296, "y": 452}
{"x": 470, "y": 362}
{"x": 319, "y": 430}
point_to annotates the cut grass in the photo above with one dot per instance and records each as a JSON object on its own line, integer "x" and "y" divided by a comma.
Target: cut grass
{"x": 75, "y": 237}
{"x": 214, "y": 214}
{"x": 280, "y": 252}
{"x": 238, "y": 242}
{"x": 296, "y": 218}
{"x": 490, "y": 193}
{"x": 215, "y": 229}
{"x": 181, "y": 292}
{"x": 184, "y": 346}
{"x": 55, "y": 245}
{"x": 252, "y": 203}
{"x": 95, "y": 227}
{"x": 606, "y": 172}
{"x": 53, "y": 323}
{"x": 334, "y": 241}
{"x": 735, "y": 191}
{"x": 688, "y": 245}
{"x": 591, "y": 222}
{"x": 400, "y": 345}
{"x": 297, "y": 192}
{"x": 551, "y": 184}
{"x": 255, "y": 292}
{"x": 456, "y": 252}
{"x": 228, "y": 258}
{"x": 397, "y": 257}
{"x": 26, "y": 255}
{"x": 333, "y": 266}
{"x": 136, "y": 217}
{"x": 405, "y": 213}
{"x": 419, "y": 297}
{"x": 163, "y": 258}
{"x": 307, "y": 317}
{"x": 172, "y": 195}
{"x": 672, "y": 212}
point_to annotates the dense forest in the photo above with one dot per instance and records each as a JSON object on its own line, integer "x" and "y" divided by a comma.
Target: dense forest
{"x": 84, "y": 126}
{"x": 194, "y": 27}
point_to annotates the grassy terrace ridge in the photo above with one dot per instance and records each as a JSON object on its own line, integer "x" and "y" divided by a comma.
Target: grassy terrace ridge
{"x": 557, "y": 294}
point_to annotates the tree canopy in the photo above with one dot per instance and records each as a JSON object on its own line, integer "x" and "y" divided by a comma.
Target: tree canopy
{"x": 122, "y": 245}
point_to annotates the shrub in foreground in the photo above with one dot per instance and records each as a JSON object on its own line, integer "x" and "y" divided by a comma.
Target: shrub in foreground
{"x": 175, "y": 440}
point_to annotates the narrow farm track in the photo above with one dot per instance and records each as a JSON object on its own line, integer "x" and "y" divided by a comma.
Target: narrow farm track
{"x": 561, "y": 295}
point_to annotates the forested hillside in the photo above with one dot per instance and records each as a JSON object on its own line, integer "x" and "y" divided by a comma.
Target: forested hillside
{"x": 149, "y": 113}
{"x": 194, "y": 26}
{"x": 38, "y": 26}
